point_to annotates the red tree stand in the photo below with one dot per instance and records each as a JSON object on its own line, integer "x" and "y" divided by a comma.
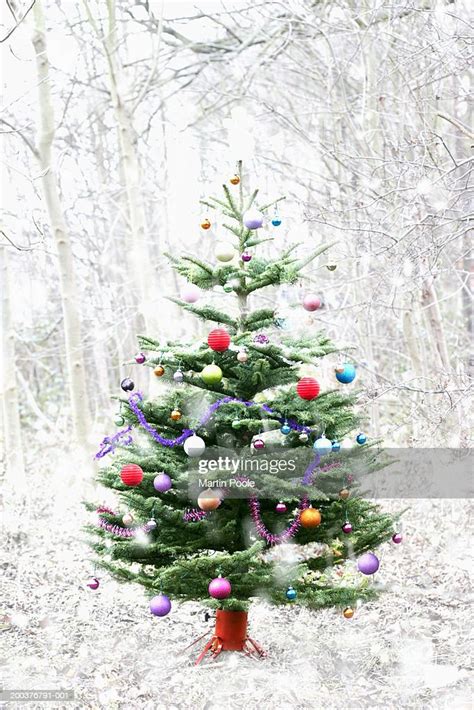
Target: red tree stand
{"x": 230, "y": 634}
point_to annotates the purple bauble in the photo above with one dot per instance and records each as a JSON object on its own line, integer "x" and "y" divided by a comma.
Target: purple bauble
{"x": 140, "y": 358}
{"x": 190, "y": 293}
{"x": 160, "y": 605}
{"x": 162, "y": 482}
{"x": 253, "y": 219}
{"x": 93, "y": 583}
{"x": 262, "y": 339}
{"x": 259, "y": 444}
{"x": 246, "y": 256}
{"x": 368, "y": 563}
{"x": 347, "y": 528}
{"x": 311, "y": 302}
{"x": 397, "y": 538}
{"x": 219, "y": 588}
{"x": 280, "y": 507}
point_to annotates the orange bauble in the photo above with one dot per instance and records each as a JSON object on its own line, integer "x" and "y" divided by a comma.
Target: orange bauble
{"x": 235, "y": 180}
{"x": 310, "y": 518}
{"x": 208, "y": 500}
{"x": 205, "y": 224}
{"x": 159, "y": 371}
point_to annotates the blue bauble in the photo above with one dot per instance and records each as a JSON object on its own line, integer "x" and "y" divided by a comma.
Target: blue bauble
{"x": 291, "y": 594}
{"x": 323, "y": 446}
{"x": 285, "y": 429}
{"x": 276, "y": 221}
{"x": 336, "y": 446}
{"x": 361, "y": 439}
{"x": 347, "y": 374}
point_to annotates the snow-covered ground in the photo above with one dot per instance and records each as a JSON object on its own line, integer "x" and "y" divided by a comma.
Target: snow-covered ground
{"x": 409, "y": 649}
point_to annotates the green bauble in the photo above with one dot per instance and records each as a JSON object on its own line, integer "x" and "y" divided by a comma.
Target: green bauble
{"x": 211, "y": 375}
{"x": 119, "y": 420}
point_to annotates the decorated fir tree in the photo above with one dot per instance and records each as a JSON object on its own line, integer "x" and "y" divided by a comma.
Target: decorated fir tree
{"x": 240, "y": 453}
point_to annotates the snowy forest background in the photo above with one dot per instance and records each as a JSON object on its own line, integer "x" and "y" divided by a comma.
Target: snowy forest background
{"x": 119, "y": 116}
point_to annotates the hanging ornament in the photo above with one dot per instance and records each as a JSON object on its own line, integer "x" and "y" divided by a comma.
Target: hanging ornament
{"x": 205, "y": 224}
{"x": 131, "y": 474}
{"x": 93, "y": 583}
{"x": 159, "y": 371}
{"x": 246, "y": 257}
{"x": 285, "y": 429}
{"x": 140, "y": 358}
{"x": 211, "y": 374}
{"x": 253, "y": 219}
{"x": 218, "y": 340}
{"x": 228, "y": 288}
{"x": 310, "y": 518}
{"x": 291, "y": 594}
{"x": 308, "y": 388}
{"x": 160, "y": 605}
{"x": 258, "y": 444}
{"x": 151, "y": 525}
{"x": 224, "y": 252}
{"x": 344, "y": 494}
{"x": 361, "y": 439}
{"x": 336, "y": 446}
{"x": 219, "y": 588}
{"x": 194, "y": 446}
{"x": 119, "y": 420}
{"x": 346, "y": 528}
{"x": 162, "y": 482}
{"x": 303, "y": 437}
{"x": 176, "y": 415}
{"x": 348, "y": 613}
{"x": 311, "y": 302}
{"x": 178, "y": 376}
{"x": 127, "y": 384}
{"x": 280, "y": 507}
{"x": 323, "y": 446}
{"x": 242, "y": 356}
{"x": 261, "y": 339}
{"x": 368, "y": 563}
{"x": 209, "y": 500}
{"x": 235, "y": 180}
{"x": 346, "y": 373}
{"x": 190, "y": 293}
{"x": 276, "y": 221}
{"x": 397, "y": 538}
{"x": 128, "y": 519}
{"x": 331, "y": 267}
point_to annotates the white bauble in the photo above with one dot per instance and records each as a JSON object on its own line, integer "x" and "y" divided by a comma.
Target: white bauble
{"x": 322, "y": 446}
{"x": 347, "y": 444}
{"x": 194, "y": 446}
{"x": 224, "y": 252}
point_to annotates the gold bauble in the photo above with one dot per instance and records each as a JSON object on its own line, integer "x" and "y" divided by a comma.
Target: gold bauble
{"x": 208, "y": 500}
{"x": 176, "y": 415}
{"x": 310, "y": 518}
{"x": 348, "y": 613}
{"x": 235, "y": 180}
{"x": 344, "y": 494}
{"x": 159, "y": 371}
{"x": 205, "y": 224}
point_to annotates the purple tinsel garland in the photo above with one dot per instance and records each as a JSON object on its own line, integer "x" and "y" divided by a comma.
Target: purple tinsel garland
{"x": 110, "y": 443}
{"x": 118, "y": 530}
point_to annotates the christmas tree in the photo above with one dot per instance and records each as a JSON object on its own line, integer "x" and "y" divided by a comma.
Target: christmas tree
{"x": 236, "y": 407}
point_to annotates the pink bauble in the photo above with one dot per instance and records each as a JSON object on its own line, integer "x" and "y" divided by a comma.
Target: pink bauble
{"x": 190, "y": 293}
{"x": 311, "y": 302}
{"x": 220, "y": 588}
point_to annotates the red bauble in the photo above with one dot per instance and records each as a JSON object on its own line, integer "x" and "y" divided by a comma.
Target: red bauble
{"x": 308, "y": 388}
{"x": 131, "y": 474}
{"x": 218, "y": 340}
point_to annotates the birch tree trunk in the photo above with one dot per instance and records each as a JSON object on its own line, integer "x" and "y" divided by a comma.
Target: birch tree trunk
{"x": 67, "y": 277}
{"x": 14, "y": 459}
